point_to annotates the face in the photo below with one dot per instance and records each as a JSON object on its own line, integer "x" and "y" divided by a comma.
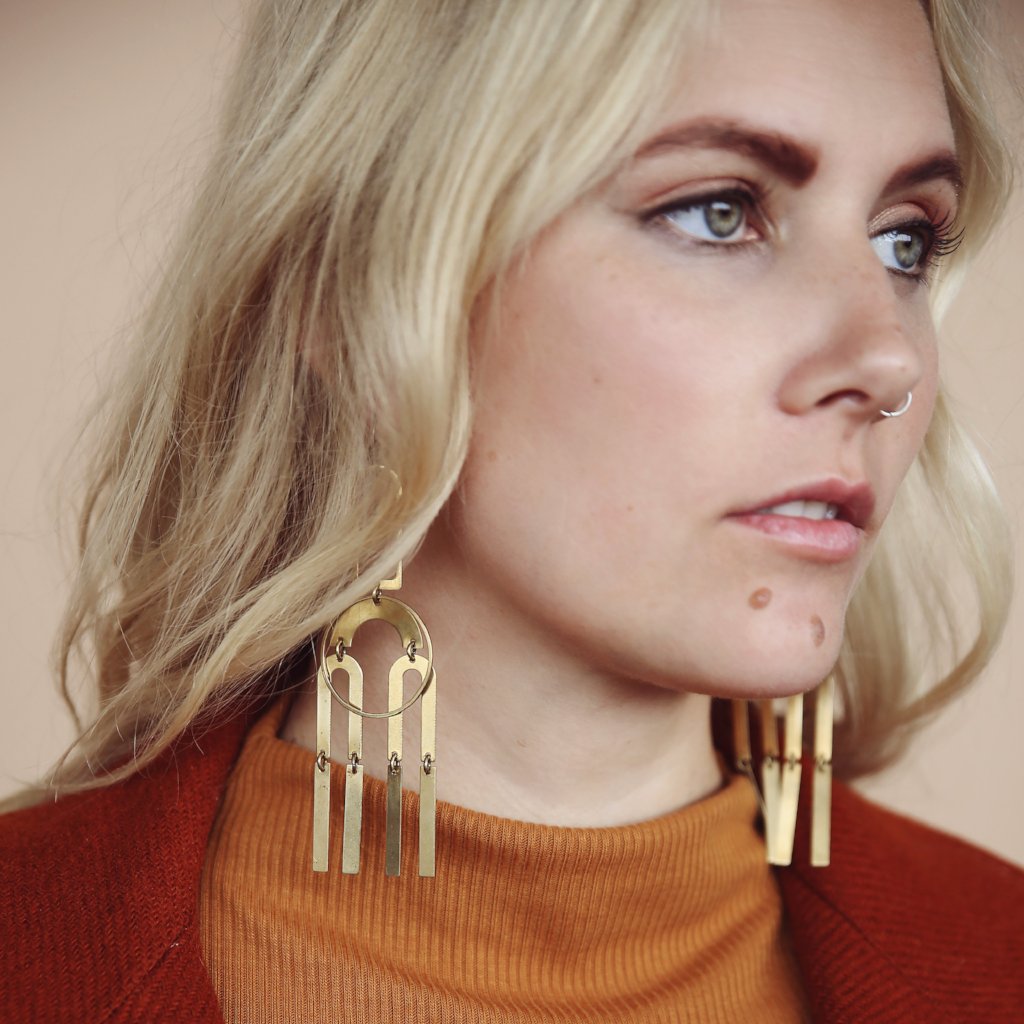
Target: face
{"x": 679, "y": 466}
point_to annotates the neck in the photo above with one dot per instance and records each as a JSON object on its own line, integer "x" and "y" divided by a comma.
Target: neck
{"x": 527, "y": 727}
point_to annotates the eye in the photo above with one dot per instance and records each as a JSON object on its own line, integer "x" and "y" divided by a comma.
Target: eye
{"x": 906, "y": 249}
{"x": 718, "y": 219}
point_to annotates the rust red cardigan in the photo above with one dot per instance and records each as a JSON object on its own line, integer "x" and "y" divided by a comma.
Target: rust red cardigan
{"x": 98, "y": 911}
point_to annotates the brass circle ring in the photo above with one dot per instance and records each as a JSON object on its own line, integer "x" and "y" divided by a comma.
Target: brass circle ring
{"x": 410, "y": 628}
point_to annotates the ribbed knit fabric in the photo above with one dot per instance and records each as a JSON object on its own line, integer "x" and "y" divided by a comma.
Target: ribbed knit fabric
{"x": 676, "y": 919}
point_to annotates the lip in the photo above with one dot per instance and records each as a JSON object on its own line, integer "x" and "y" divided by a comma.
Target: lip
{"x": 825, "y": 540}
{"x": 856, "y": 501}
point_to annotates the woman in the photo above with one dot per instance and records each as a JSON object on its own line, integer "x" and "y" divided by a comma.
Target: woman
{"x": 612, "y": 323}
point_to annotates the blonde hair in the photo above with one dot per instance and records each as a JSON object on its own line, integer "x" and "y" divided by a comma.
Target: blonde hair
{"x": 374, "y": 172}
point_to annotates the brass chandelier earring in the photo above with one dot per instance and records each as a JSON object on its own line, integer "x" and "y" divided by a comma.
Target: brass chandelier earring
{"x": 335, "y": 659}
{"x": 779, "y": 789}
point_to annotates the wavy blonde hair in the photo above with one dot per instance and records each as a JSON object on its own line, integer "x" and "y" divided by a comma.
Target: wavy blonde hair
{"x": 373, "y": 173}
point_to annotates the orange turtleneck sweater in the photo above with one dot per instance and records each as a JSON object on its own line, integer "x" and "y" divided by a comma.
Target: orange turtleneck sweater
{"x": 675, "y": 919}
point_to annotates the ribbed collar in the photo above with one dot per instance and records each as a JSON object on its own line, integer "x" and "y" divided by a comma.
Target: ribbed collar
{"x": 516, "y": 909}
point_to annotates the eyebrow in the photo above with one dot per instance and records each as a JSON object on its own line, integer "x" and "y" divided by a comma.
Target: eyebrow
{"x": 793, "y": 161}
{"x": 789, "y": 159}
{"x": 942, "y": 166}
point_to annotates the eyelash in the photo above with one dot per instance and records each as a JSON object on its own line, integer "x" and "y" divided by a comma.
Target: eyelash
{"x": 941, "y": 238}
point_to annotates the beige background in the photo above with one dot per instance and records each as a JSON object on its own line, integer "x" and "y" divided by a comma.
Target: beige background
{"x": 105, "y": 111}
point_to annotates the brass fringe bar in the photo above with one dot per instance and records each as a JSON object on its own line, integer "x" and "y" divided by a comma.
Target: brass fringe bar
{"x": 821, "y": 798}
{"x": 428, "y": 777}
{"x": 353, "y": 828}
{"x": 781, "y": 838}
{"x": 322, "y": 777}
{"x": 393, "y": 840}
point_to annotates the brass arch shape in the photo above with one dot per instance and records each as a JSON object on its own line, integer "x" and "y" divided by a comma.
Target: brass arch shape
{"x": 407, "y": 624}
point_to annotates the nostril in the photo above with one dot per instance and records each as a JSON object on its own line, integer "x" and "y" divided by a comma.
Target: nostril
{"x": 851, "y": 395}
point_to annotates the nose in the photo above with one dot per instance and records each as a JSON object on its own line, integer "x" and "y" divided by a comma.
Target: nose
{"x": 861, "y": 348}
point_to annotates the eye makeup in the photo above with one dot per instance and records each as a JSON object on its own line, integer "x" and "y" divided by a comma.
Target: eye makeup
{"x": 733, "y": 217}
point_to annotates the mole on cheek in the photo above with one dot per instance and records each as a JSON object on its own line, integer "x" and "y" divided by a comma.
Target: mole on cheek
{"x": 760, "y": 598}
{"x": 817, "y": 630}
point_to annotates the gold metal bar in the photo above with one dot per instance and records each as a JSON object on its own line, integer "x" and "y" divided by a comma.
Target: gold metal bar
{"x": 781, "y": 849}
{"x": 740, "y": 733}
{"x": 322, "y": 775}
{"x": 393, "y": 837}
{"x": 428, "y": 817}
{"x": 770, "y": 771}
{"x": 353, "y": 831}
{"x": 393, "y": 842}
{"x": 741, "y": 747}
{"x": 821, "y": 797}
{"x": 428, "y": 776}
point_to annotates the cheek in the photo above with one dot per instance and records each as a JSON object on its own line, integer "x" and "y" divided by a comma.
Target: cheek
{"x": 594, "y": 479}
{"x": 586, "y": 394}
{"x": 579, "y": 399}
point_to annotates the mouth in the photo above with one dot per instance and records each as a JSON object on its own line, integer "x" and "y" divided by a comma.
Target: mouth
{"x": 824, "y": 521}
{"x": 801, "y": 509}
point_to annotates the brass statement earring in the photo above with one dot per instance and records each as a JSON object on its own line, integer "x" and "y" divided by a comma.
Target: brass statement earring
{"x": 779, "y": 790}
{"x": 336, "y": 660}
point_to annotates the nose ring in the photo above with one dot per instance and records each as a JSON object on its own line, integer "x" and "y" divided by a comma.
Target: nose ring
{"x": 901, "y": 410}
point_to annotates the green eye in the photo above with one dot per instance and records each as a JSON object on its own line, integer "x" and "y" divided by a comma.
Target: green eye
{"x": 720, "y": 219}
{"x": 723, "y": 217}
{"x": 903, "y": 249}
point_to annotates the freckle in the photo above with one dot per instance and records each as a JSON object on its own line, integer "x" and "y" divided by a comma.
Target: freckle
{"x": 598, "y": 379}
{"x": 629, "y": 508}
{"x": 817, "y": 630}
{"x": 760, "y": 598}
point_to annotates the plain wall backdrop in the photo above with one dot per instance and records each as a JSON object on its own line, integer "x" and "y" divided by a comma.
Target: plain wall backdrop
{"x": 106, "y": 110}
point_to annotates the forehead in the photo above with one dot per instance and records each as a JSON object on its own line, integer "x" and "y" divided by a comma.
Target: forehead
{"x": 829, "y": 71}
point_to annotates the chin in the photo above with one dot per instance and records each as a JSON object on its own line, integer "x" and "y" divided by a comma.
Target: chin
{"x": 778, "y": 673}
{"x": 786, "y": 649}
{"x": 755, "y": 668}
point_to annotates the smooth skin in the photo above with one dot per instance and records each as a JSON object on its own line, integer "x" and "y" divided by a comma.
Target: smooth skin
{"x": 719, "y": 324}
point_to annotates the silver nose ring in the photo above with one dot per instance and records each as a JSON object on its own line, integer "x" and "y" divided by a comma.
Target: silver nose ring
{"x": 901, "y": 410}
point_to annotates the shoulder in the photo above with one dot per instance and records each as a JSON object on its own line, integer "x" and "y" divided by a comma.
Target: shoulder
{"x": 100, "y": 886}
{"x": 912, "y": 844}
{"x": 925, "y": 920}
{"x": 53, "y": 841}
{"x": 921, "y": 868}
